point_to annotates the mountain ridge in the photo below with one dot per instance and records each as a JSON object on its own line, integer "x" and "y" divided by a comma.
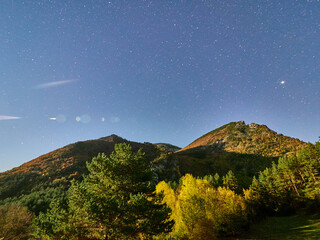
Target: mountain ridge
{"x": 226, "y": 148}
{"x": 252, "y": 138}
{"x": 36, "y": 182}
{"x": 214, "y": 138}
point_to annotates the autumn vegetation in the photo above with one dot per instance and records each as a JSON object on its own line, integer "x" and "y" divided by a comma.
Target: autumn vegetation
{"x": 130, "y": 194}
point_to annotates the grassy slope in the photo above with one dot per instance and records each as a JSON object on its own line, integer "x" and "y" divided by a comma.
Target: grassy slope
{"x": 292, "y": 227}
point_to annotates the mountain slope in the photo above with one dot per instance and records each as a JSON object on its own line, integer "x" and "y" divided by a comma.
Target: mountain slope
{"x": 249, "y": 139}
{"x": 168, "y": 147}
{"x": 244, "y": 149}
{"x": 36, "y": 182}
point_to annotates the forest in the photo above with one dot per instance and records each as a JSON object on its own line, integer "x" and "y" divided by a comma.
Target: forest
{"x": 121, "y": 197}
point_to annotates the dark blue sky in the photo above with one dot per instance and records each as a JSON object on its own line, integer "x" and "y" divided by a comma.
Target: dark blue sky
{"x": 156, "y": 71}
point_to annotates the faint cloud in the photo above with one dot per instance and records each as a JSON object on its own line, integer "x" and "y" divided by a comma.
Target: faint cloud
{"x": 2, "y": 117}
{"x": 54, "y": 84}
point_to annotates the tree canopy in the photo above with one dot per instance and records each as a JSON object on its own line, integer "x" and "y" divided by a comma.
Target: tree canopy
{"x": 116, "y": 200}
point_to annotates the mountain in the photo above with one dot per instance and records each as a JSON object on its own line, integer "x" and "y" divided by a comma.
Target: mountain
{"x": 253, "y": 138}
{"x": 36, "y": 182}
{"x": 74, "y": 156}
{"x": 244, "y": 149}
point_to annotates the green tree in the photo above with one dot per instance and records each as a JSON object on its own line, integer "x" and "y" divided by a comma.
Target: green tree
{"x": 53, "y": 224}
{"x": 230, "y": 181}
{"x": 216, "y": 180}
{"x": 116, "y": 200}
{"x": 291, "y": 183}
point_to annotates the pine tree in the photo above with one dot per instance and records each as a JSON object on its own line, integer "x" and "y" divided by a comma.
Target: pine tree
{"x": 117, "y": 199}
{"x": 216, "y": 180}
{"x": 230, "y": 181}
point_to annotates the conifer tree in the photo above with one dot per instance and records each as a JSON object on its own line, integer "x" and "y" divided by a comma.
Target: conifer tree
{"x": 116, "y": 200}
{"x": 230, "y": 181}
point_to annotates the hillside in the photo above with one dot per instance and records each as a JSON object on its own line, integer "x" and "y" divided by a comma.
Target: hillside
{"x": 253, "y": 138}
{"x": 36, "y": 182}
{"x": 168, "y": 147}
{"x": 244, "y": 149}
{"x": 293, "y": 227}
{"x": 74, "y": 156}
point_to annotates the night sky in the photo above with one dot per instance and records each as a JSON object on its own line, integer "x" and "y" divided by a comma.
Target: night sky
{"x": 154, "y": 71}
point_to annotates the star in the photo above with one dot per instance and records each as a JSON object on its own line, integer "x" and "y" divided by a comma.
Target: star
{"x": 282, "y": 82}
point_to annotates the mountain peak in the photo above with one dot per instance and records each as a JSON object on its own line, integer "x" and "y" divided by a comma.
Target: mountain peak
{"x": 252, "y": 139}
{"x": 113, "y": 138}
{"x": 241, "y": 123}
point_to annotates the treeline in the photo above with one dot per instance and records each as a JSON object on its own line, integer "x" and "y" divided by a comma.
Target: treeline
{"x": 120, "y": 198}
{"x": 211, "y": 207}
{"x": 291, "y": 184}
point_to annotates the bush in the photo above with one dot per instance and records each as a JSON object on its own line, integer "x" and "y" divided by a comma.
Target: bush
{"x": 15, "y": 222}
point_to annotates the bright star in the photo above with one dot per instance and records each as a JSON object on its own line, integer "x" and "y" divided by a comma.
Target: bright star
{"x": 282, "y": 82}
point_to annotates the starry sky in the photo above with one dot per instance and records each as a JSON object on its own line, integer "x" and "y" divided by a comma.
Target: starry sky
{"x": 154, "y": 71}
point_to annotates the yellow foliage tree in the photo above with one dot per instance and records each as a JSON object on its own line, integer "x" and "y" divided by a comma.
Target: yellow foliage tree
{"x": 201, "y": 211}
